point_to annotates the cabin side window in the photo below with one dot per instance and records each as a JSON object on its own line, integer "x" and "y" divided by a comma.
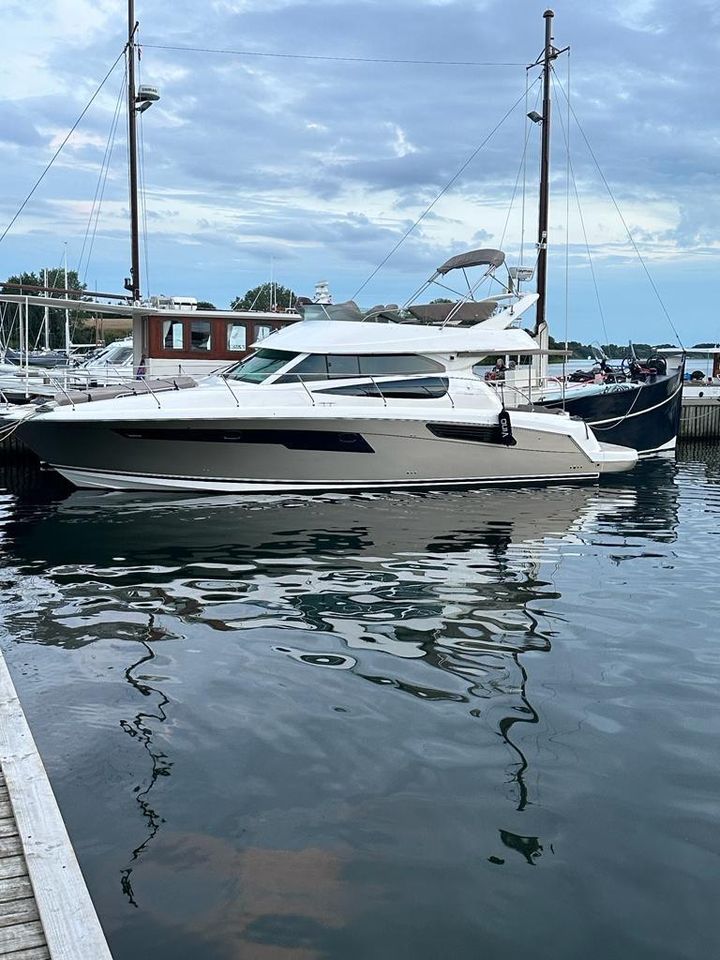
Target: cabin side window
{"x": 172, "y": 334}
{"x": 345, "y": 366}
{"x": 236, "y": 337}
{"x": 262, "y": 330}
{"x": 200, "y": 335}
{"x": 381, "y": 365}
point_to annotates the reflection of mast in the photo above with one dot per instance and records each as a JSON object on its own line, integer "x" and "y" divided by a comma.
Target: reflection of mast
{"x": 505, "y": 727}
{"x": 160, "y": 764}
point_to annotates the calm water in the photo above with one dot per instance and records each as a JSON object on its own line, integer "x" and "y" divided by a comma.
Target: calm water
{"x": 466, "y": 725}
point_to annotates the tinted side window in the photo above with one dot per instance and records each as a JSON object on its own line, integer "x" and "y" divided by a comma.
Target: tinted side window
{"x": 343, "y": 366}
{"x": 422, "y": 389}
{"x": 389, "y": 364}
{"x": 313, "y": 367}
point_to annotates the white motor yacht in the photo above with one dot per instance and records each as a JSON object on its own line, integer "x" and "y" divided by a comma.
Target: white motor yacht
{"x": 324, "y": 404}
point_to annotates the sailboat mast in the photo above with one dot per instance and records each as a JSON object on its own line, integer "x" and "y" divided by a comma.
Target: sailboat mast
{"x": 134, "y": 285}
{"x": 548, "y": 56}
{"x": 46, "y": 311}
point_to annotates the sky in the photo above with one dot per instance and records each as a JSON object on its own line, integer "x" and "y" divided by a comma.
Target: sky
{"x": 300, "y": 169}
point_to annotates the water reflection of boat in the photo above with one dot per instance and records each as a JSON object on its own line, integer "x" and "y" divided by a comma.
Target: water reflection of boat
{"x": 414, "y": 576}
{"x": 436, "y": 597}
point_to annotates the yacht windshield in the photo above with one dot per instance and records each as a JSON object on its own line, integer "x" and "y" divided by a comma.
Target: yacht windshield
{"x": 260, "y": 365}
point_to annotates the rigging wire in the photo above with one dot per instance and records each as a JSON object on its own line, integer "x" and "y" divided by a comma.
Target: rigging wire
{"x": 521, "y": 168}
{"x": 143, "y": 208}
{"x": 524, "y": 169}
{"x": 438, "y": 196}
{"x": 336, "y": 59}
{"x": 582, "y": 223}
{"x": 57, "y": 152}
{"x": 619, "y": 213}
{"x": 100, "y": 187}
{"x": 102, "y": 196}
{"x": 567, "y": 233}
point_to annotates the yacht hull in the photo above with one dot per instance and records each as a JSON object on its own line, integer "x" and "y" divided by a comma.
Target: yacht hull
{"x": 644, "y": 416}
{"x": 300, "y": 454}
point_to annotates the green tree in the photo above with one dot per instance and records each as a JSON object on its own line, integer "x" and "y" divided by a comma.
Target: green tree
{"x": 205, "y": 305}
{"x": 265, "y": 297}
{"x": 55, "y": 278}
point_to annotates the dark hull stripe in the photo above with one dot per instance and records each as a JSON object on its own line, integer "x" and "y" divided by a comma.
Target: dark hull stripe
{"x": 326, "y": 440}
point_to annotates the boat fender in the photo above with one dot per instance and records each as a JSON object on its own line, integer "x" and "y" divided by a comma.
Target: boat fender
{"x": 506, "y": 436}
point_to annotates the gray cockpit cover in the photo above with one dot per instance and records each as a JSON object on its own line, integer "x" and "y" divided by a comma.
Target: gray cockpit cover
{"x": 473, "y": 258}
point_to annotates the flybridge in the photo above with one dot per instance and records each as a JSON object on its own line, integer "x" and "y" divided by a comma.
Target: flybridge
{"x": 348, "y": 337}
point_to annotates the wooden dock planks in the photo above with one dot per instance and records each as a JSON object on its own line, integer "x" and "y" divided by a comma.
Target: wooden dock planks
{"x": 45, "y": 909}
{"x": 21, "y": 933}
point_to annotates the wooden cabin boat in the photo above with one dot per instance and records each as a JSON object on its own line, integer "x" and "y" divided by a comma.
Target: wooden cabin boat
{"x": 197, "y": 342}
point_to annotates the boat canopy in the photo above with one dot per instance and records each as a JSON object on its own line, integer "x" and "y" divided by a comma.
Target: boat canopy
{"x": 473, "y": 258}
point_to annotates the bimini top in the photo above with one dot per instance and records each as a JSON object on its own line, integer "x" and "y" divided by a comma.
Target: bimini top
{"x": 473, "y": 258}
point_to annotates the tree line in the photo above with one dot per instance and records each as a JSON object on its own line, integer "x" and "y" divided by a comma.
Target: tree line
{"x": 614, "y": 351}
{"x": 23, "y": 283}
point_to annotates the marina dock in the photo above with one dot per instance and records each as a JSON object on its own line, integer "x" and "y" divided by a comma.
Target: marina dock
{"x": 700, "y": 418}
{"x": 45, "y": 909}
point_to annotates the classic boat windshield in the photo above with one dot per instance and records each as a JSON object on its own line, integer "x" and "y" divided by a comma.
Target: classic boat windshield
{"x": 114, "y": 353}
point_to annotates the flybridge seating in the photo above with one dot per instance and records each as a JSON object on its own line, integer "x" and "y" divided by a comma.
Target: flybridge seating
{"x": 463, "y": 310}
{"x": 439, "y": 314}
